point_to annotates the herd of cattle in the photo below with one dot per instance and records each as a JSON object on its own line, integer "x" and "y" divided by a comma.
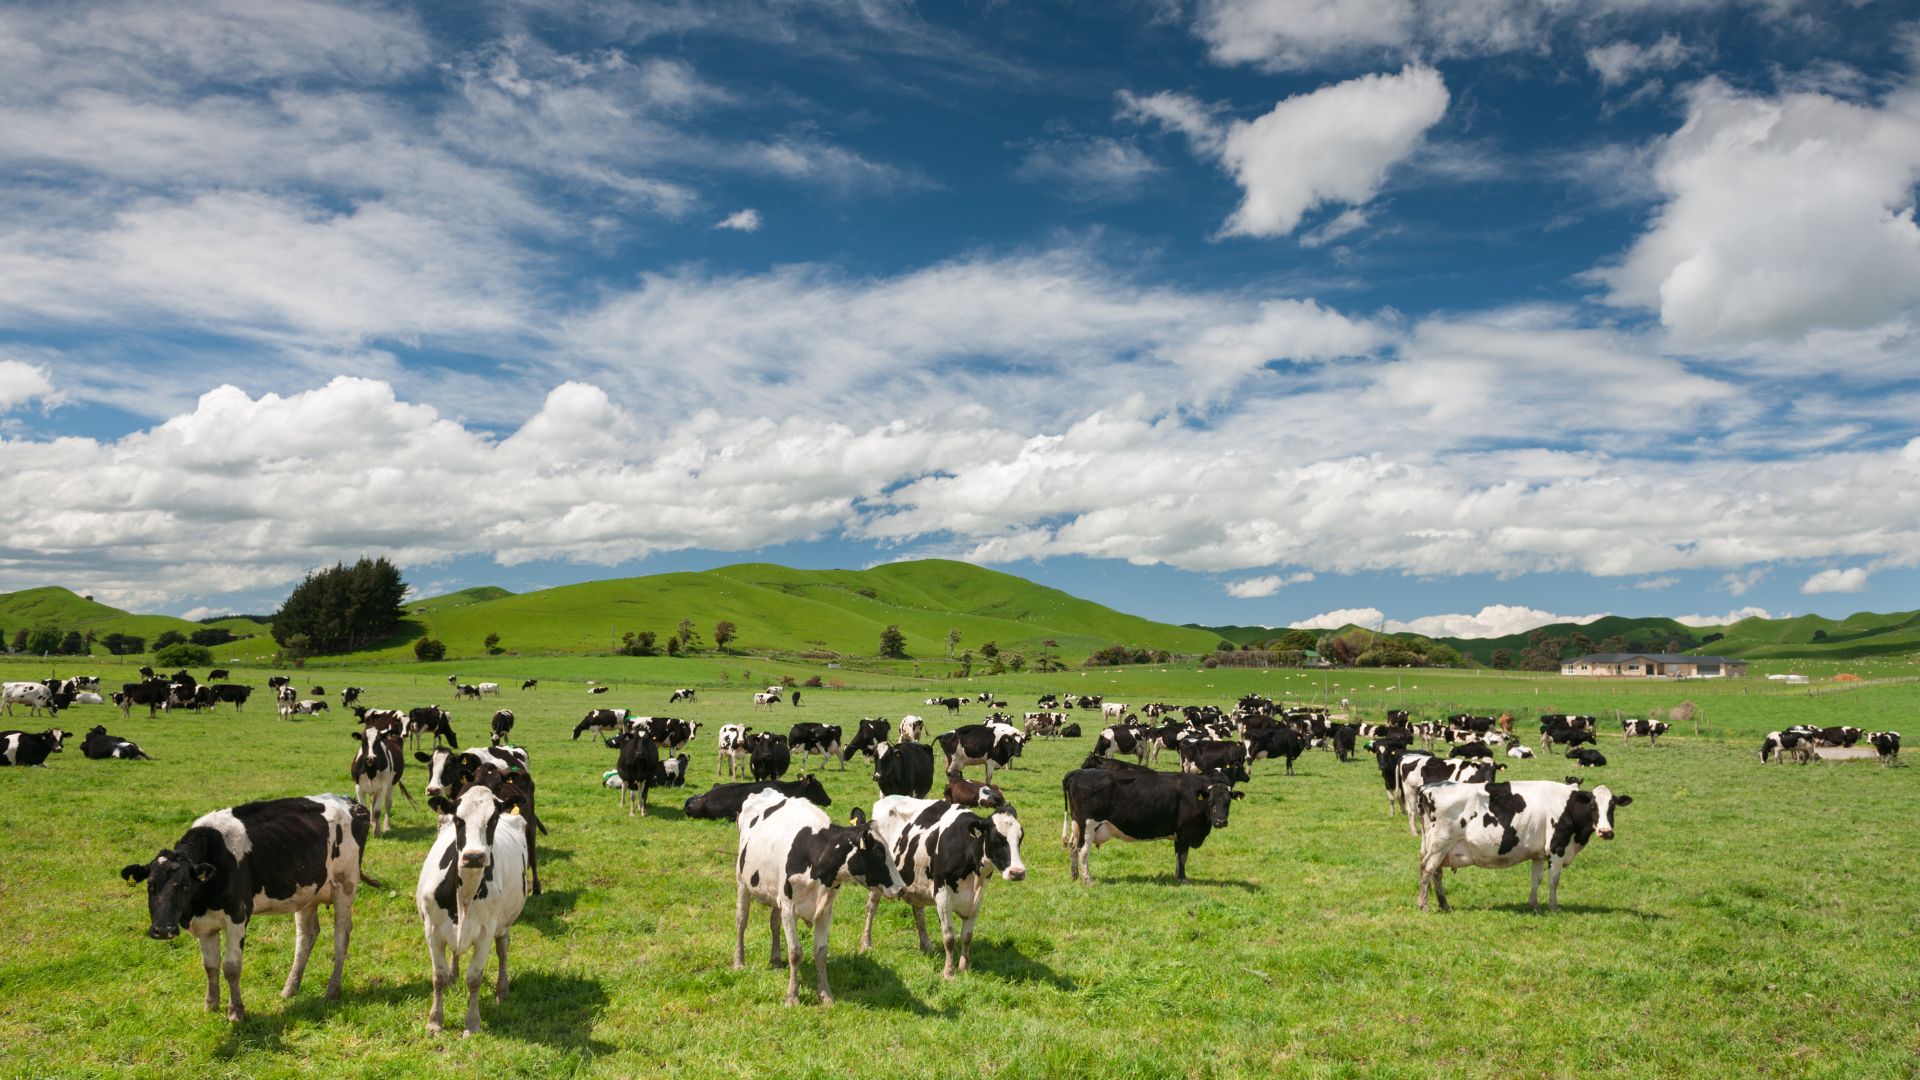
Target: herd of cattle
{"x": 928, "y": 849}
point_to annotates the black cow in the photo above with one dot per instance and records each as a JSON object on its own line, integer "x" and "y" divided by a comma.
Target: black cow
{"x": 1103, "y": 804}
{"x": 639, "y": 763}
{"x": 1887, "y": 745}
{"x": 952, "y": 703}
{"x": 1565, "y": 736}
{"x": 1588, "y": 757}
{"x": 433, "y": 720}
{"x": 723, "y": 801}
{"x": 600, "y": 720}
{"x": 232, "y": 693}
{"x": 278, "y": 857}
{"x": 502, "y": 726}
{"x": 768, "y": 756}
{"x": 905, "y": 769}
{"x": 1209, "y": 755}
{"x": 219, "y": 673}
{"x": 530, "y": 684}
{"x": 811, "y": 738}
{"x": 274, "y": 682}
{"x": 1343, "y": 740}
{"x": 31, "y": 748}
{"x": 149, "y": 692}
{"x": 100, "y": 746}
{"x": 1070, "y": 731}
{"x": 350, "y": 695}
{"x": 1283, "y": 743}
{"x": 868, "y": 735}
{"x": 1472, "y": 750}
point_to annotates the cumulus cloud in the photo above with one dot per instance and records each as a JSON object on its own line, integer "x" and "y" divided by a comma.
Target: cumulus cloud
{"x": 22, "y": 382}
{"x": 1782, "y": 215}
{"x": 747, "y": 220}
{"x": 195, "y": 614}
{"x": 1853, "y": 579}
{"x": 1333, "y": 620}
{"x": 1740, "y": 582}
{"x": 1265, "y": 585}
{"x": 1731, "y": 617}
{"x": 1333, "y": 145}
{"x": 1494, "y": 620}
{"x": 1619, "y": 61}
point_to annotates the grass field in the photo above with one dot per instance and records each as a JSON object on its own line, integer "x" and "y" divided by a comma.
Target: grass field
{"x": 1749, "y": 920}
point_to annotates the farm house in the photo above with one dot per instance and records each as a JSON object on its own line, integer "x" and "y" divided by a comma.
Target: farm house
{"x": 1655, "y": 665}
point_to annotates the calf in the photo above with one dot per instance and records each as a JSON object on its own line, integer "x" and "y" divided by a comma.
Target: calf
{"x": 31, "y": 748}
{"x": 1498, "y": 825}
{"x": 502, "y": 726}
{"x": 966, "y": 792}
{"x": 1587, "y": 756}
{"x": 472, "y": 888}
{"x": 768, "y": 756}
{"x": 278, "y": 857}
{"x": 1103, "y": 805}
{"x": 945, "y": 854}
{"x": 912, "y": 728}
{"x": 1887, "y": 744}
{"x": 375, "y": 771}
{"x": 100, "y": 746}
{"x": 732, "y": 748}
{"x": 638, "y": 765}
{"x": 906, "y": 769}
{"x": 794, "y": 859}
{"x": 1651, "y": 730}
{"x": 1283, "y": 743}
{"x": 723, "y": 801}
{"x": 600, "y": 720}
{"x": 811, "y": 738}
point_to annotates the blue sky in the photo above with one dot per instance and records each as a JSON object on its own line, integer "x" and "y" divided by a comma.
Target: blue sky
{"x": 1461, "y": 317}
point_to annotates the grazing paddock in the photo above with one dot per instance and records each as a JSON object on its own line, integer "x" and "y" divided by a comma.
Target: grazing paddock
{"x": 1747, "y": 920}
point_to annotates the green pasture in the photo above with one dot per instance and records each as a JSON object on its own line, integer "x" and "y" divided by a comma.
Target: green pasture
{"x": 1749, "y": 920}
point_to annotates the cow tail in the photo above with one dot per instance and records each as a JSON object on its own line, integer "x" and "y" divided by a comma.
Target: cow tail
{"x": 362, "y": 820}
{"x": 402, "y": 786}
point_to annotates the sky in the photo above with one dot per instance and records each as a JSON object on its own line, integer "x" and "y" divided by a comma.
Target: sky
{"x": 1457, "y": 317}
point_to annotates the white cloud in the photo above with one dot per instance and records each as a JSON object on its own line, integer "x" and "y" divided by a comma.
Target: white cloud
{"x": 1853, "y": 579}
{"x": 1333, "y": 145}
{"x": 1782, "y": 216}
{"x": 1266, "y": 584}
{"x": 1087, "y": 168}
{"x": 1619, "y": 61}
{"x": 22, "y": 382}
{"x": 1664, "y": 581}
{"x": 195, "y": 614}
{"x": 747, "y": 220}
{"x": 1740, "y": 582}
{"x": 1494, "y": 620}
{"x": 1333, "y": 620}
{"x": 1728, "y": 619}
{"x": 1347, "y": 221}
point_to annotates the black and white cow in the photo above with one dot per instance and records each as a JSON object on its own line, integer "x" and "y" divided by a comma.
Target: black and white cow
{"x": 149, "y": 692}
{"x": 670, "y": 733}
{"x": 973, "y": 793}
{"x": 1519, "y": 752}
{"x": 31, "y": 748}
{"x": 723, "y": 801}
{"x": 945, "y": 854}
{"x": 278, "y": 857}
{"x": 598, "y": 689}
{"x": 375, "y": 770}
{"x": 514, "y": 785}
{"x": 1418, "y": 770}
{"x": 530, "y": 684}
{"x": 1778, "y": 744}
{"x": 488, "y": 688}
{"x": 903, "y": 769}
{"x": 600, "y": 720}
{"x": 1104, "y": 805}
{"x": 1650, "y": 730}
{"x": 466, "y": 690}
{"x": 502, "y": 725}
{"x": 1279, "y": 742}
{"x": 685, "y": 693}
{"x": 952, "y": 704}
{"x": 274, "y": 682}
{"x": 912, "y": 728}
{"x": 448, "y": 772}
{"x": 810, "y": 738}
{"x": 1838, "y": 736}
{"x": 1588, "y": 757}
{"x": 1214, "y": 755}
{"x": 286, "y": 695}
{"x": 976, "y": 744}
{"x": 431, "y": 720}
{"x": 1499, "y": 825}
{"x": 768, "y": 699}
{"x": 1128, "y": 739}
{"x": 35, "y": 696}
{"x": 1474, "y": 749}
{"x": 472, "y": 887}
{"x": 100, "y": 746}
{"x": 794, "y": 859}
{"x": 868, "y": 735}
{"x": 768, "y": 756}
{"x": 732, "y": 747}
{"x": 350, "y": 695}
{"x": 1565, "y": 736}
{"x": 638, "y": 766}
{"x": 1887, "y": 744}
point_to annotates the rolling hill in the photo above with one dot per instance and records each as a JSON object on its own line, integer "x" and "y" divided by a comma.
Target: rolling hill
{"x": 64, "y": 610}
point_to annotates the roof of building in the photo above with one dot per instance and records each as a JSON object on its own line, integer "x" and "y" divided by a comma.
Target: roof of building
{"x": 1658, "y": 658}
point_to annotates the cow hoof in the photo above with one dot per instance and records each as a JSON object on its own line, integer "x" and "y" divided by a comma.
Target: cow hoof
{"x": 333, "y": 993}
{"x": 825, "y": 1000}
{"x": 792, "y": 1000}
{"x": 236, "y": 1016}
{"x": 433, "y": 1028}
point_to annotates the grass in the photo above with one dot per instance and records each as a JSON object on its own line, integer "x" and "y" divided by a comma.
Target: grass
{"x": 1749, "y": 920}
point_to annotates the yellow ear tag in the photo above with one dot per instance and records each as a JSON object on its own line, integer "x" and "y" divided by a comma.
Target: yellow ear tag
{"x": 514, "y": 810}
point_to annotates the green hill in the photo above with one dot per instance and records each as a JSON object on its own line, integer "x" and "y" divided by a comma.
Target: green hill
{"x": 781, "y": 609}
{"x": 65, "y": 610}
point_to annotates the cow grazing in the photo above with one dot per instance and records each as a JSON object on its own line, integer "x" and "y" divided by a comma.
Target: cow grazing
{"x": 1587, "y": 756}
{"x": 952, "y": 704}
{"x": 1651, "y": 730}
{"x": 810, "y": 738}
{"x": 349, "y": 696}
{"x": 1565, "y": 736}
{"x": 732, "y": 746}
{"x": 768, "y": 756}
{"x": 431, "y": 720}
{"x": 26, "y": 748}
{"x": 100, "y": 746}
{"x": 217, "y": 674}
{"x": 912, "y": 728}
{"x": 278, "y": 857}
{"x": 1887, "y": 745}
{"x": 1498, "y": 825}
{"x": 472, "y": 888}
{"x": 1103, "y": 805}
{"x": 598, "y": 689}
{"x": 600, "y": 720}
{"x": 35, "y": 696}
{"x": 973, "y": 793}
{"x": 945, "y": 854}
{"x": 868, "y": 735}
{"x": 274, "y": 682}
{"x": 637, "y": 767}
{"x": 794, "y": 859}
{"x": 502, "y": 726}
{"x": 375, "y": 770}
{"x": 768, "y": 699}
{"x": 905, "y": 769}
{"x": 530, "y": 684}
{"x": 1779, "y": 744}
{"x": 466, "y": 690}
{"x": 723, "y": 801}
{"x": 1282, "y": 743}
{"x": 685, "y": 693}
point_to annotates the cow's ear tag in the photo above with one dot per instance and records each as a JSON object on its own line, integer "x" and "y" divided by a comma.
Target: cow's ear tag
{"x": 514, "y": 810}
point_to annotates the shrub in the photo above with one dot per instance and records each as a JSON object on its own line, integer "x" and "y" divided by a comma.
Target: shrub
{"x": 170, "y": 637}
{"x": 427, "y": 649}
{"x": 812, "y": 683}
{"x": 211, "y": 636}
{"x": 182, "y": 654}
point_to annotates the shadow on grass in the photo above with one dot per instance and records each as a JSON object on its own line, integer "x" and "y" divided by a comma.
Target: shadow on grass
{"x": 1168, "y": 879}
{"x": 269, "y": 1016}
{"x": 859, "y": 979}
{"x": 1521, "y": 908}
{"x": 557, "y": 1010}
{"x": 543, "y": 912}
{"x": 1005, "y": 960}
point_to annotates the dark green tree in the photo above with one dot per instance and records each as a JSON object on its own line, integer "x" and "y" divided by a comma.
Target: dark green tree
{"x": 74, "y": 644}
{"x": 211, "y": 636}
{"x": 427, "y": 649}
{"x": 20, "y": 640}
{"x": 168, "y": 637}
{"x": 44, "y": 641}
{"x": 492, "y": 643}
{"x": 687, "y": 636}
{"x": 182, "y": 654}
{"x": 340, "y": 608}
{"x": 723, "y": 632}
{"x": 893, "y": 643}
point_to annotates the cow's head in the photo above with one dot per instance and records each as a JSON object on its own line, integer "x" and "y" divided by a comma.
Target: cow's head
{"x": 1605, "y": 802}
{"x": 868, "y": 862}
{"x": 443, "y": 771}
{"x": 474, "y": 817}
{"x": 1217, "y": 796}
{"x": 172, "y": 881}
{"x": 813, "y": 791}
{"x": 1003, "y": 834}
{"x": 58, "y": 738}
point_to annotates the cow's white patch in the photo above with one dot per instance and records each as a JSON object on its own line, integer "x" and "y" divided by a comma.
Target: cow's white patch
{"x": 232, "y": 832}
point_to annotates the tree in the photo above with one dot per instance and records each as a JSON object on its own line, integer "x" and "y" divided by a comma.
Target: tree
{"x": 990, "y": 650}
{"x": 673, "y": 645}
{"x": 182, "y": 654}
{"x": 966, "y": 664}
{"x": 297, "y": 647}
{"x": 211, "y": 636}
{"x": 341, "y": 608}
{"x": 20, "y": 640}
{"x": 1297, "y": 639}
{"x": 953, "y": 641}
{"x": 492, "y": 643}
{"x": 1501, "y": 658}
{"x": 123, "y": 644}
{"x": 44, "y": 641}
{"x": 643, "y": 643}
{"x": 1016, "y": 663}
{"x": 74, "y": 644}
{"x": 429, "y": 649}
{"x": 723, "y": 632}
{"x": 1616, "y": 643}
{"x": 893, "y": 643}
{"x": 1819, "y": 635}
{"x": 168, "y": 637}
{"x": 689, "y": 639}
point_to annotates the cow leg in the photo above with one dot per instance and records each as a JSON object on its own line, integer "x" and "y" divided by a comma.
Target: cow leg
{"x": 210, "y": 960}
{"x": 1533, "y": 898}
{"x": 643, "y": 798}
{"x": 774, "y": 956}
{"x": 306, "y": 927}
{"x": 476, "y": 974}
{"x": 790, "y": 926}
{"x": 966, "y": 936}
{"x": 989, "y": 764}
{"x": 920, "y": 924}
{"x": 500, "y": 952}
{"x": 442, "y": 978}
{"x": 533, "y": 860}
{"x": 230, "y": 967}
{"x": 742, "y": 901}
{"x": 822, "y": 929}
{"x": 1180, "y": 863}
{"x": 943, "y": 907}
{"x": 1086, "y": 848}
{"x": 1553, "y": 884}
{"x": 873, "y": 906}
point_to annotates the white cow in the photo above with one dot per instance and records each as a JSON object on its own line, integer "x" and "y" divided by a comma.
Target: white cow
{"x": 1113, "y": 709}
{"x": 733, "y": 749}
{"x": 1498, "y": 825}
{"x": 912, "y": 728}
{"x": 768, "y": 699}
{"x": 946, "y": 854}
{"x": 488, "y": 688}
{"x": 482, "y": 842}
{"x": 794, "y": 859}
{"x": 31, "y": 694}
